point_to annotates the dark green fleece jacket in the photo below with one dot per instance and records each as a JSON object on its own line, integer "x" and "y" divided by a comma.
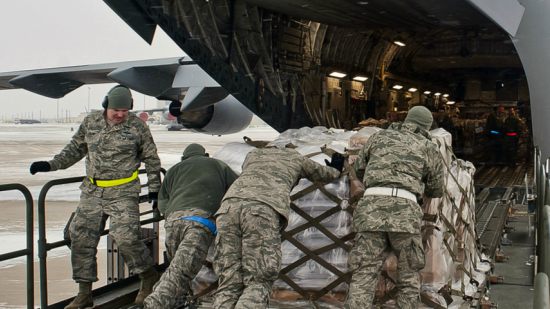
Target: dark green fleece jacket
{"x": 196, "y": 182}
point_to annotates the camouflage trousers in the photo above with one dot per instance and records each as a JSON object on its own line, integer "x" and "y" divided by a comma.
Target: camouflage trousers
{"x": 366, "y": 259}
{"x": 247, "y": 255}
{"x": 187, "y": 244}
{"x": 87, "y": 225}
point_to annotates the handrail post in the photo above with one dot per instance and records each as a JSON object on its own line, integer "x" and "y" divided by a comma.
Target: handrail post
{"x": 541, "y": 299}
{"x": 543, "y": 239}
{"x": 42, "y": 250}
{"x": 29, "y": 231}
{"x": 541, "y": 197}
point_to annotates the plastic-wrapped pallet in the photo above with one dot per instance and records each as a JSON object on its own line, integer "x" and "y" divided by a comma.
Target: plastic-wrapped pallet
{"x": 452, "y": 255}
{"x": 444, "y": 141}
{"x": 233, "y": 154}
{"x": 311, "y": 276}
{"x": 359, "y": 139}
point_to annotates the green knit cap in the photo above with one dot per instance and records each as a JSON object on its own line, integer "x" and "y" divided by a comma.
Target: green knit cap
{"x": 193, "y": 150}
{"x": 421, "y": 116}
{"x": 119, "y": 98}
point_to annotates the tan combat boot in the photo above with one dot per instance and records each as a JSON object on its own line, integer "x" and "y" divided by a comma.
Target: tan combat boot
{"x": 84, "y": 297}
{"x": 148, "y": 280}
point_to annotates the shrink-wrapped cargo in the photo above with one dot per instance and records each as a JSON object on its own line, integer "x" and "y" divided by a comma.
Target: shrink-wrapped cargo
{"x": 318, "y": 237}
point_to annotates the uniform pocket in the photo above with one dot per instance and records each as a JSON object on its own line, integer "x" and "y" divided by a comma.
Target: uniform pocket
{"x": 355, "y": 257}
{"x": 262, "y": 243}
{"x": 415, "y": 256}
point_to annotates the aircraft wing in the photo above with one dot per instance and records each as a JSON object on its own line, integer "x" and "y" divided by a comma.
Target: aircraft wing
{"x": 51, "y": 83}
{"x": 57, "y": 82}
{"x": 199, "y": 103}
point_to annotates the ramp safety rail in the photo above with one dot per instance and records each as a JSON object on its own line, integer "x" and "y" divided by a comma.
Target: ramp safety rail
{"x": 29, "y": 251}
{"x": 44, "y": 246}
{"x": 541, "y": 299}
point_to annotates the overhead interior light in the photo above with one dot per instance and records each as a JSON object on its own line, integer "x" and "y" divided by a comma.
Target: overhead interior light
{"x": 412, "y": 89}
{"x": 397, "y": 87}
{"x": 399, "y": 42}
{"x": 437, "y": 93}
{"x": 362, "y": 2}
{"x": 427, "y": 92}
{"x": 360, "y": 78}
{"x": 450, "y": 102}
{"x": 337, "y": 74}
{"x": 445, "y": 95}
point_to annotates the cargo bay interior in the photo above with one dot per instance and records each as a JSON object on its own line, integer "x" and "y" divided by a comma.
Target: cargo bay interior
{"x": 339, "y": 63}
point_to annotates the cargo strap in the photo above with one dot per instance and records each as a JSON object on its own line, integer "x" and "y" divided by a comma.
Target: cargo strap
{"x": 211, "y": 226}
{"x": 113, "y": 182}
{"x": 391, "y": 192}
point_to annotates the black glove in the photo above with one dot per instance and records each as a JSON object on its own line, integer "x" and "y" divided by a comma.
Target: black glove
{"x": 40, "y": 166}
{"x": 153, "y": 197}
{"x": 337, "y": 161}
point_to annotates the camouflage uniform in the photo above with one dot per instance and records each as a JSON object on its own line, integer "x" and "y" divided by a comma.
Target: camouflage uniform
{"x": 187, "y": 244}
{"x": 193, "y": 187}
{"x": 400, "y": 157}
{"x": 112, "y": 152}
{"x": 253, "y": 212}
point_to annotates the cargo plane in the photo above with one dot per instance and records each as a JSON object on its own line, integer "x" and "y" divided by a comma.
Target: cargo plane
{"x": 334, "y": 62}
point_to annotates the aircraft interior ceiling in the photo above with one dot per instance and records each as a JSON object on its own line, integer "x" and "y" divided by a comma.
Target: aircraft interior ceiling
{"x": 276, "y": 56}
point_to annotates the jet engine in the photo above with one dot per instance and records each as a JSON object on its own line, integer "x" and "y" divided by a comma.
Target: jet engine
{"x": 167, "y": 116}
{"x": 226, "y": 116}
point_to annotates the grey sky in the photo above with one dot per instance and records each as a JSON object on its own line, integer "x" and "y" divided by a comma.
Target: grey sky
{"x": 54, "y": 33}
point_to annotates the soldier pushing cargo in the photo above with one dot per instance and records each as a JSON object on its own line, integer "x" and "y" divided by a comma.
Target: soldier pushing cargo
{"x": 253, "y": 213}
{"x": 189, "y": 196}
{"x": 398, "y": 166}
{"x": 114, "y": 143}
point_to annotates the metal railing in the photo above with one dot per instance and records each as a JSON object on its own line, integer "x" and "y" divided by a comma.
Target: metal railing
{"x": 541, "y": 298}
{"x": 44, "y": 246}
{"x": 29, "y": 251}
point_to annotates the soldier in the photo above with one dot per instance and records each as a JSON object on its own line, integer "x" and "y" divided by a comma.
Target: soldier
{"x": 114, "y": 143}
{"x": 494, "y": 127}
{"x": 253, "y": 213}
{"x": 189, "y": 196}
{"x": 511, "y": 130}
{"x": 398, "y": 165}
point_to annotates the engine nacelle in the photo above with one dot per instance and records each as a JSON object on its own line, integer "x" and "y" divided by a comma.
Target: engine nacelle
{"x": 227, "y": 116}
{"x": 168, "y": 116}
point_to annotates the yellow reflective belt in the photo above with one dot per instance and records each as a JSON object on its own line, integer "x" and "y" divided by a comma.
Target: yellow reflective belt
{"x": 113, "y": 182}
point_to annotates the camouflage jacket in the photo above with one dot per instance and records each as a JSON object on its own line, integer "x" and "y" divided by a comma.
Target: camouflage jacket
{"x": 269, "y": 174}
{"x": 112, "y": 152}
{"x": 403, "y": 157}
